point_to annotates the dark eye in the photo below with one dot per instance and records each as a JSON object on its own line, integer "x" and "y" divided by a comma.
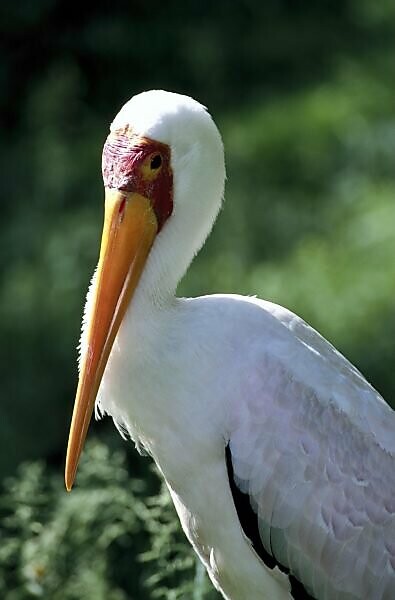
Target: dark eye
{"x": 156, "y": 161}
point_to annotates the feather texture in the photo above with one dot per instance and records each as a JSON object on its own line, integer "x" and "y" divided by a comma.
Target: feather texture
{"x": 315, "y": 454}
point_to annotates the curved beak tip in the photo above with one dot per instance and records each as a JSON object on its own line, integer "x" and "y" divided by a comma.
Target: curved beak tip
{"x": 69, "y": 472}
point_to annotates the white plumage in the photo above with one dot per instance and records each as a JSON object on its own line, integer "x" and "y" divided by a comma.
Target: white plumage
{"x": 310, "y": 441}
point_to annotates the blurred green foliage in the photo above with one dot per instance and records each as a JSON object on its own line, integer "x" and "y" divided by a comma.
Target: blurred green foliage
{"x": 109, "y": 540}
{"x": 302, "y": 94}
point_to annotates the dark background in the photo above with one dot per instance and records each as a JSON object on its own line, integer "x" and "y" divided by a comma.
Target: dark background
{"x": 303, "y": 94}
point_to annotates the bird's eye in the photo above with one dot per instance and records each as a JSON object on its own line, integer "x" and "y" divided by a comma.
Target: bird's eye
{"x": 156, "y": 162}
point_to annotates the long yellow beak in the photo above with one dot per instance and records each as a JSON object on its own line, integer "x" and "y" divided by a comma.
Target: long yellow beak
{"x": 130, "y": 226}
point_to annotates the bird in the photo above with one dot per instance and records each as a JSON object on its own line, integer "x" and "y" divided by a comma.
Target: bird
{"x": 278, "y": 455}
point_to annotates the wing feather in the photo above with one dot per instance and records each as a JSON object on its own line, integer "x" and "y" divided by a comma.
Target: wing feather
{"x": 312, "y": 448}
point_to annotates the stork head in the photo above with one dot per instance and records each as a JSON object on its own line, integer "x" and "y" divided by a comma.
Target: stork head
{"x": 163, "y": 171}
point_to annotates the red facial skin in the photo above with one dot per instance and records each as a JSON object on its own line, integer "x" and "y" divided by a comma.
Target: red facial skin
{"x": 128, "y": 164}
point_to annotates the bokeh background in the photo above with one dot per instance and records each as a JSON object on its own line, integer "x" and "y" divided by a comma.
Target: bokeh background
{"x": 303, "y": 94}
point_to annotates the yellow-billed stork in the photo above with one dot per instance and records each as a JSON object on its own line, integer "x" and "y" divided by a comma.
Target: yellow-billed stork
{"x": 278, "y": 454}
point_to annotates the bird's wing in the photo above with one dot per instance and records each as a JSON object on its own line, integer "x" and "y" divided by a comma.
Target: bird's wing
{"x": 312, "y": 469}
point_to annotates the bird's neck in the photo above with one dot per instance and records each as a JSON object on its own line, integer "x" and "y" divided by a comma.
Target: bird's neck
{"x": 155, "y": 294}
{"x": 159, "y": 281}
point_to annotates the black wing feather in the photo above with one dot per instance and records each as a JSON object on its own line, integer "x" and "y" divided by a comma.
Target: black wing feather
{"x": 249, "y": 524}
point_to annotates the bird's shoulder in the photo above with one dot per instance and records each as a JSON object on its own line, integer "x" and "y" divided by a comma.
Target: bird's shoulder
{"x": 277, "y": 353}
{"x": 270, "y": 320}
